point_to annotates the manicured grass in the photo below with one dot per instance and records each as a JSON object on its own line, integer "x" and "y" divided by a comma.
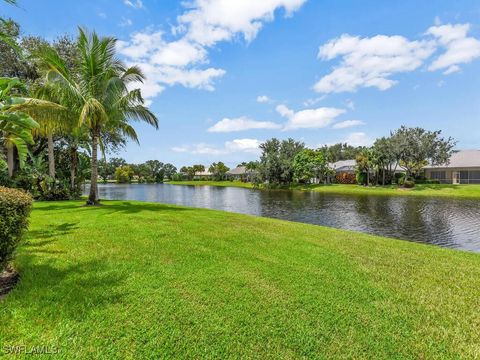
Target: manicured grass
{"x": 213, "y": 183}
{"x": 430, "y": 190}
{"x": 133, "y": 280}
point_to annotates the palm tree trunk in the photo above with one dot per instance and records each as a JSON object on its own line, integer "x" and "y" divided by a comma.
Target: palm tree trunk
{"x": 10, "y": 160}
{"x": 73, "y": 166}
{"x": 51, "y": 156}
{"x": 93, "y": 196}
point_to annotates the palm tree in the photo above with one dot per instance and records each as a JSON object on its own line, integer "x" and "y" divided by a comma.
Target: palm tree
{"x": 16, "y": 124}
{"x": 99, "y": 93}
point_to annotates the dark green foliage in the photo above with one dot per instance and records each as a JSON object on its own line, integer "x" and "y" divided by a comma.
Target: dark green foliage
{"x": 276, "y": 163}
{"x": 408, "y": 184}
{"x": 361, "y": 178}
{"x": 15, "y": 206}
{"x": 399, "y": 177}
{"x": 218, "y": 170}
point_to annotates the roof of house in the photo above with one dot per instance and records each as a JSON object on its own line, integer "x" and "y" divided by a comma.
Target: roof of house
{"x": 344, "y": 165}
{"x": 239, "y": 170}
{"x": 203, "y": 173}
{"x": 460, "y": 159}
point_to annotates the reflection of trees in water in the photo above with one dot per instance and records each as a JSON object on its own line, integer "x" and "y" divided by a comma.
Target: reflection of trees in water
{"x": 421, "y": 220}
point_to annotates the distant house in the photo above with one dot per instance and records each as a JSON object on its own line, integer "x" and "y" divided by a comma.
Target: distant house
{"x": 202, "y": 175}
{"x": 344, "y": 171}
{"x": 240, "y": 173}
{"x": 344, "y": 166}
{"x": 463, "y": 168}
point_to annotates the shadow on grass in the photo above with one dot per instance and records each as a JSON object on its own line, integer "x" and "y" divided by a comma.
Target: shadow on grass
{"x": 72, "y": 290}
{"x": 48, "y": 234}
{"x": 114, "y": 206}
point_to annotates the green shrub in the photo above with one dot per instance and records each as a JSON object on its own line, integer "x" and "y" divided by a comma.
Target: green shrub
{"x": 427, "y": 181}
{"x": 408, "y": 184}
{"x": 15, "y": 206}
{"x": 399, "y": 178}
{"x": 361, "y": 178}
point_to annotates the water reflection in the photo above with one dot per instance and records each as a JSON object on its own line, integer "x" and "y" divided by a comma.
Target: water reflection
{"x": 445, "y": 222}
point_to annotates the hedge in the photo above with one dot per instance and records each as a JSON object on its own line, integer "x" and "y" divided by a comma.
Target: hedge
{"x": 15, "y": 206}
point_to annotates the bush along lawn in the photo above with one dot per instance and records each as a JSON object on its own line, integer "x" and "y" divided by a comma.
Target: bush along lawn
{"x": 15, "y": 206}
{"x": 146, "y": 281}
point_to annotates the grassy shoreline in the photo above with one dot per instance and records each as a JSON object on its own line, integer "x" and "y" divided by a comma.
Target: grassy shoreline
{"x": 428, "y": 190}
{"x": 141, "y": 280}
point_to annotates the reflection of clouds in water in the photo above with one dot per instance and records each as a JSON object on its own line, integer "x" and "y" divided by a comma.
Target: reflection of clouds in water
{"x": 445, "y": 222}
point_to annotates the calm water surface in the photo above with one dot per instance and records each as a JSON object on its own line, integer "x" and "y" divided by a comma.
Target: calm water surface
{"x": 444, "y": 222}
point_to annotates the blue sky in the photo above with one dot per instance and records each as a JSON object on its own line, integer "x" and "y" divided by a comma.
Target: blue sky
{"x": 225, "y": 75}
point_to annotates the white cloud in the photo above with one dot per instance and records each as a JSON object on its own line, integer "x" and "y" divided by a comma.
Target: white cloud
{"x": 263, "y": 99}
{"x": 245, "y": 145}
{"x": 347, "y": 124}
{"x": 373, "y": 61}
{"x": 460, "y": 49}
{"x": 210, "y": 21}
{"x": 229, "y": 147}
{"x": 309, "y": 118}
{"x": 358, "y": 139}
{"x": 370, "y": 62}
{"x": 240, "y": 124}
{"x": 203, "y": 24}
{"x": 136, "y": 4}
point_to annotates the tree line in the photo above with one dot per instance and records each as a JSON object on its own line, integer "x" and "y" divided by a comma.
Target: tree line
{"x": 399, "y": 157}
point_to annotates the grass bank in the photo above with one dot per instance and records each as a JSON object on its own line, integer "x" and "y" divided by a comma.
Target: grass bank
{"x": 213, "y": 183}
{"x": 429, "y": 190}
{"x": 138, "y": 280}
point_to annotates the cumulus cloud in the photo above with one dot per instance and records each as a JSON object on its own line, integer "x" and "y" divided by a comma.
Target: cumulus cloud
{"x": 207, "y": 22}
{"x": 370, "y": 62}
{"x": 459, "y": 48}
{"x": 373, "y": 61}
{"x": 347, "y": 124}
{"x": 181, "y": 57}
{"x": 233, "y": 146}
{"x": 241, "y": 124}
{"x": 245, "y": 145}
{"x": 358, "y": 139}
{"x": 309, "y": 118}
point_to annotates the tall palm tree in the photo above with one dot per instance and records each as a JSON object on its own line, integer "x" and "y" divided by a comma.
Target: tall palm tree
{"x": 99, "y": 93}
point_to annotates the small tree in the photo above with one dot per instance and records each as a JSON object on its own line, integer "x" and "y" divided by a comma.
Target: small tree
{"x": 169, "y": 171}
{"x": 219, "y": 170}
{"x": 311, "y": 164}
{"x": 124, "y": 174}
{"x": 421, "y": 147}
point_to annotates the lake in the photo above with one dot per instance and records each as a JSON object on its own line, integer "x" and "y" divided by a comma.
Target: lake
{"x": 453, "y": 223}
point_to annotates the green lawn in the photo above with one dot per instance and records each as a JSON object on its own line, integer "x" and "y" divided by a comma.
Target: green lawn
{"x": 430, "y": 190}
{"x": 133, "y": 280}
